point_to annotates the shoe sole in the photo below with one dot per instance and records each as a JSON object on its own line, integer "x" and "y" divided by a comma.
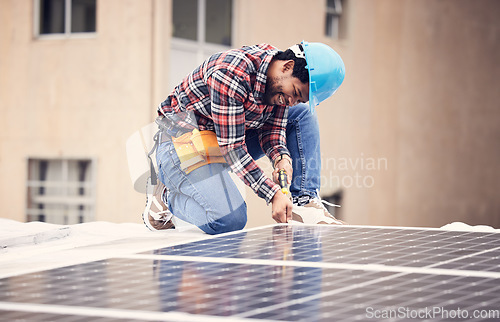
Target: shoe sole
{"x": 149, "y": 201}
{"x": 145, "y": 214}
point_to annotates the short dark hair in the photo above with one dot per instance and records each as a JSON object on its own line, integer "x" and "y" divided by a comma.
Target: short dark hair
{"x": 299, "y": 69}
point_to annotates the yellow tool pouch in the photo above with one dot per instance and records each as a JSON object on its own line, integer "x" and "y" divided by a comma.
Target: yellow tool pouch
{"x": 197, "y": 148}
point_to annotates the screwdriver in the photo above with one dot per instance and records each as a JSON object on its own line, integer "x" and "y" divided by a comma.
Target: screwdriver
{"x": 283, "y": 180}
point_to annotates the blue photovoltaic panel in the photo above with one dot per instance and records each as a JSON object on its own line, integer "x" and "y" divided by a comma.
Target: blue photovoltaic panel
{"x": 245, "y": 290}
{"x": 281, "y": 273}
{"x": 352, "y": 245}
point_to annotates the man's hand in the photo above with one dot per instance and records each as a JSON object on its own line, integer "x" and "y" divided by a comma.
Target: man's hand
{"x": 282, "y": 208}
{"x": 285, "y": 165}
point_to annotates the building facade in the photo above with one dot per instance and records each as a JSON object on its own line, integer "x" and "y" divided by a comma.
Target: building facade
{"x": 411, "y": 137}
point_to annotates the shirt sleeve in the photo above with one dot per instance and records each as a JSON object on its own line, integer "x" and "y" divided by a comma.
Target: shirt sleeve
{"x": 272, "y": 135}
{"x": 228, "y": 93}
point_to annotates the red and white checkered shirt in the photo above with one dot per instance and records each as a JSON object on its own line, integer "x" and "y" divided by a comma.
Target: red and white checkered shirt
{"x": 225, "y": 95}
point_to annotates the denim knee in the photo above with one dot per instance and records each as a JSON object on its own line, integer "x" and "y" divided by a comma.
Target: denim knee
{"x": 231, "y": 222}
{"x": 299, "y": 111}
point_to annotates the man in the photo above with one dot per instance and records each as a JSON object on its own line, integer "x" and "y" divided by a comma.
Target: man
{"x": 251, "y": 99}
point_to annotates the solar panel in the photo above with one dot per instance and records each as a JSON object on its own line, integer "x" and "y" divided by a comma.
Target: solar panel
{"x": 354, "y": 245}
{"x": 278, "y": 273}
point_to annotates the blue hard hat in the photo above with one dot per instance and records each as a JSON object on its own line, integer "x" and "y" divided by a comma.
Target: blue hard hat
{"x": 326, "y": 71}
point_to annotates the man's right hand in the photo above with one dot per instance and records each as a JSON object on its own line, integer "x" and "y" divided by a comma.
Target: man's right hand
{"x": 281, "y": 208}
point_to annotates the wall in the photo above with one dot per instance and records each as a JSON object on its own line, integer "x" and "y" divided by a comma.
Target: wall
{"x": 411, "y": 137}
{"x": 420, "y": 94}
{"x": 75, "y": 98}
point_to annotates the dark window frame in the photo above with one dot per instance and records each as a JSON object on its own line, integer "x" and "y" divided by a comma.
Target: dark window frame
{"x": 72, "y": 18}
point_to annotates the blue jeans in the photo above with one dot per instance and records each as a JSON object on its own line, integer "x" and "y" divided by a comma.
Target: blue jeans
{"x": 208, "y": 198}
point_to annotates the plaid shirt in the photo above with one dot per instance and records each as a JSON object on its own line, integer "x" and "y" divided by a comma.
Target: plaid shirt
{"x": 225, "y": 95}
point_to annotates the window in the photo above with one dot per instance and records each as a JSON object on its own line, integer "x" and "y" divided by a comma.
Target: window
{"x": 200, "y": 28}
{"x": 203, "y": 21}
{"x": 65, "y": 17}
{"x": 60, "y": 191}
{"x": 218, "y": 22}
{"x": 185, "y": 19}
{"x": 333, "y": 18}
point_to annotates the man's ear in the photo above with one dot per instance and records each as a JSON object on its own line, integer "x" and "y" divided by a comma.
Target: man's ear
{"x": 288, "y": 65}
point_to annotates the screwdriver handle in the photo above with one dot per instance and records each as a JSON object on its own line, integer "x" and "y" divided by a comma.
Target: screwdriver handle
{"x": 283, "y": 180}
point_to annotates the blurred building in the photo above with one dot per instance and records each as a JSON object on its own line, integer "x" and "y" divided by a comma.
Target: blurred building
{"x": 411, "y": 137}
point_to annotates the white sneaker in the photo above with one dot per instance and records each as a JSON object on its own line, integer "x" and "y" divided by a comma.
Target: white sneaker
{"x": 156, "y": 215}
{"x": 314, "y": 212}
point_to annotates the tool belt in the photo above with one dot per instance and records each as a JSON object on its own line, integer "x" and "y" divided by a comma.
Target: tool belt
{"x": 196, "y": 149}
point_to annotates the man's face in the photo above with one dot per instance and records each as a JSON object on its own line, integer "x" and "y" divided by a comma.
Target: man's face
{"x": 284, "y": 89}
